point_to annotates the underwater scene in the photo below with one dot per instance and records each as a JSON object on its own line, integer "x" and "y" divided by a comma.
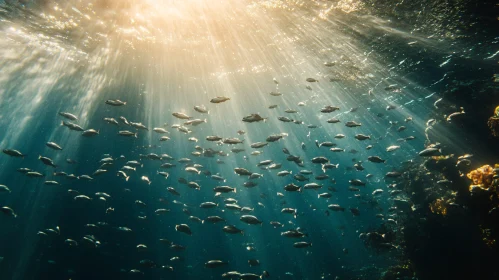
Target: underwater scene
{"x": 249, "y": 139}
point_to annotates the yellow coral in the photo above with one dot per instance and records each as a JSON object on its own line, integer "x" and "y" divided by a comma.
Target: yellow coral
{"x": 493, "y": 122}
{"x": 439, "y": 206}
{"x": 482, "y": 177}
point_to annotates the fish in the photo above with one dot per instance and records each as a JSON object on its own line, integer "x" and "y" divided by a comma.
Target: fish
{"x": 285, "y": 119}
{"x": 8, "y": 211}
{"x": 294, "y": 234}
{"x": 213, "y": 138}
{"x": 54, "y": 146}
{"x": 232, "y": 230}
{"x": 292, "y": 188}
{"x": 258, "y": 145}
{"x": 72, "y": 126}
{"x": 13, "y": 153}
{"x": 302, "y": 244}
{"x": 68, "y": 116}
{"x": 224, "y": 189}
{"x": 124, "y": 120}
{"x": 249, "y": 219}
{"x": 215, "y": 264}
{"x": 111, "y": 121}
{"x": 47, "y": 161}
{"x": 453, "y": 115}
{"x": 356, "y": 182}
{"x": 253, "y": 118}
{"x": 160, "y": 130}
{"x": 127, "y": 133}
{"x": 392, "y": 148}
{"x": 329, "y": 109}
{"x": 219, "y": 99}
{"x": 352, "y": 124}
{"x": 376, "y": 159}
{"x": 362, "y": 137}
{"x": 201, "y": 109}
{"x": 181, "y": 116}
{"x": 431, "y": 151}
{"x": 336, "y": 207}
{"x": 183, "y": 228}
{"x": 90, "y": 133}
{"x": 115, "y": 102}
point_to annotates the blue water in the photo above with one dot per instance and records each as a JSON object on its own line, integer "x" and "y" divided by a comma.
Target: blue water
{"x": 163, "y": 58}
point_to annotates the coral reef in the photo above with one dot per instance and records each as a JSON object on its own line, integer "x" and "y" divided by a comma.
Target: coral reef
{"x": 482, "y": 177}
{"x": 493, "y": 123}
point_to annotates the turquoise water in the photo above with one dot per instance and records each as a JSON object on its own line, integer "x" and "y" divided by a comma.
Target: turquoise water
{"x": 382, "y": 66}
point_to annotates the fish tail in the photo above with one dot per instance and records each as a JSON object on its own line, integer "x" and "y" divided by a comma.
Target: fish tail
{"x": 135, "y": 135}
{"x": 242, "y": 232}
{"x": 235, "y": 190}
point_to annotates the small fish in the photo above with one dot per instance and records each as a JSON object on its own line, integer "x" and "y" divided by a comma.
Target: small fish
{"x": 184, "y": 229}
{"x": 111, "y": 121}
{"x": 146, "y": 179}
{"x": 181, "y": 116}
{"x": 376, "y": 159}
{"x": 54, "y": 146}
{"x": 428, "y": 152}
{"x": 219, "y": 99}
{"x": 47, "y": 161}
{"x": 392, "y": 148}
{"x": 253, "y": 118}
{"x": 8, "y": 211}
{"x": 68, "y": 116}
{"x": 362, "y": 137}
{"x": 127, "y": 133}
{"x": 352, "y": 124}
{"x": 13, "y": 153}
{"x": 115, "y": 102}
{"x": 90, "y": 133}
{"x": 449, "y": 117}
{"x": 201, "y": 109}
{"x": 329, "y": 109}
